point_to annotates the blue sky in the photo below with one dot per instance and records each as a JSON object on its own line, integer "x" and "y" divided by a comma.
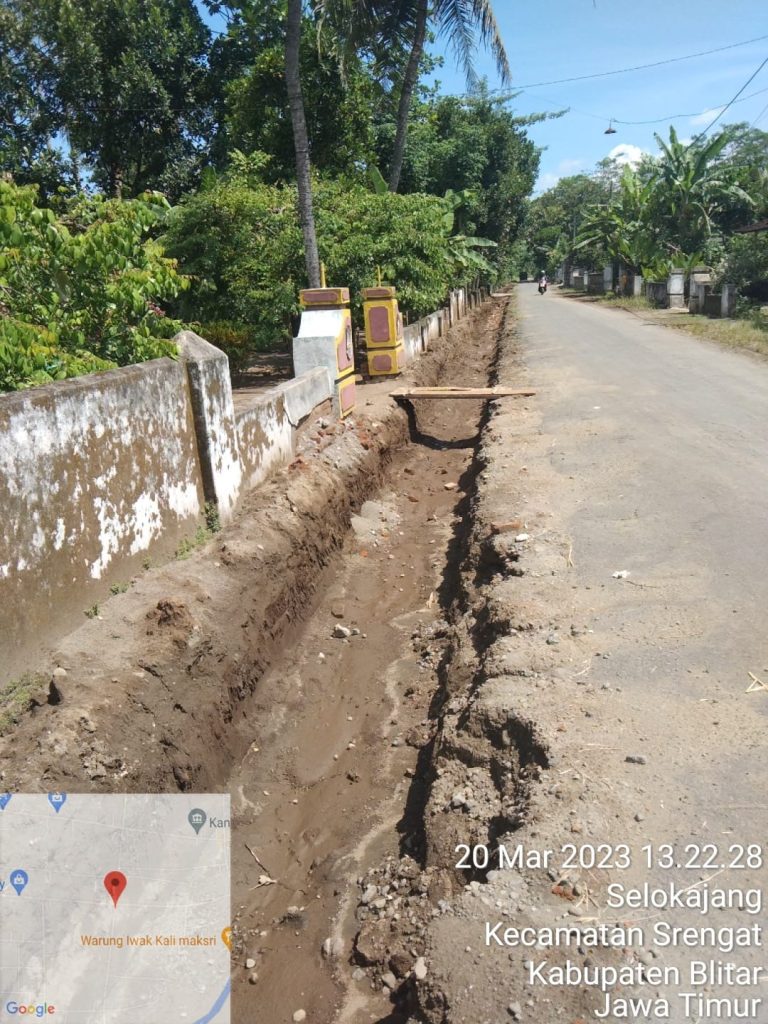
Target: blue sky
{"x": 567, "y": 38}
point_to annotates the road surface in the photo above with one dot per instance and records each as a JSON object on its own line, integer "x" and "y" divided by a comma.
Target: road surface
{"x": 658, "y": 447}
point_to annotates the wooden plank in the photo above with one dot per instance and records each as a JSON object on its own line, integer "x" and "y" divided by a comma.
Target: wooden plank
{"x": 454, "y": 392}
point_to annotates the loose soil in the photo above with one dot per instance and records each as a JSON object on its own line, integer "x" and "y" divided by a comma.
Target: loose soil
{"x": 320, "y": 739}
{"x": 393, "y": 651}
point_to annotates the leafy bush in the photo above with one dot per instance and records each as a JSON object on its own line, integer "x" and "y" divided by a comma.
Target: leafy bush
{"x": 78, "y": 291}
{"x": 238, "y": 342}
{"x": 746, "y": 265}
{"x": 241, "y": 242}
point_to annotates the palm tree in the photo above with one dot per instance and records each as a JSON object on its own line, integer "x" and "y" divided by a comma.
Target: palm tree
{"x": 693, "y": 190}
{"x": 301, "y": 141}
{"x": 373, "y": 22}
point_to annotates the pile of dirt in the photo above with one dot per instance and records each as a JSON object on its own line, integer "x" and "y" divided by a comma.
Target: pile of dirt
{"x": 494, "y": 774}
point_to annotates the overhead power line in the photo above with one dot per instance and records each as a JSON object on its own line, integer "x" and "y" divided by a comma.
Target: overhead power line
{"x": 730, "y": 103}
{"x": 643, "y": 67}
{"x": 655, "y": 120}
{"x": 624, "y": 71}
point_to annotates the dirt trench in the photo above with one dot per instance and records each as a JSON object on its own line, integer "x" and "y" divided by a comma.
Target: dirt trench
{"x": 224, "y": 672}
{"x": 336, "y": 780}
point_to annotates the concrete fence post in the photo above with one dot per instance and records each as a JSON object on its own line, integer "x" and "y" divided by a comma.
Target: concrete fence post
{"x": 213, "y": 410}
{"x": 676, "y": 288}
{"x": 728, "y": 299}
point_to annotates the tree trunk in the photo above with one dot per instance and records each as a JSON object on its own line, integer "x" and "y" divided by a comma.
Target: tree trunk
{"x": 116, "y": 180}
{"x": 410, "y": 78}
{"x": 301, "y": 141}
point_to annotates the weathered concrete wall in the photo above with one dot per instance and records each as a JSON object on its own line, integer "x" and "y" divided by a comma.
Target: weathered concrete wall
{"x": 303, "y": 394}
{"x": 265, "y": 437}
{"x": 100, "y": 473}
{"x": 210, "y": 388}
{"x": 96, "y": 474}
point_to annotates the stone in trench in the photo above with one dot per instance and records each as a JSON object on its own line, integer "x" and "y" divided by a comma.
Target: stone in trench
{"x": 299, "y": 1016}
{"x": 332, "y": 947}
{"x": 420, "y": 969}
{"x": 341, "y": 632}
{"x": 370, "y": 893}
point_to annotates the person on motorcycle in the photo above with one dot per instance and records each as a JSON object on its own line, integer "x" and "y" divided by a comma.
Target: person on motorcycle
{"x": 542, "y": 282}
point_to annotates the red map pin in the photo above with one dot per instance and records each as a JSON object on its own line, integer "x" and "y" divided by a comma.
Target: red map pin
{"x": 115, "y": 882}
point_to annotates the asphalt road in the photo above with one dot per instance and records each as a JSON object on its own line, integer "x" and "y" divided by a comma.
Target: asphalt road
{"x": 658, "y": 447}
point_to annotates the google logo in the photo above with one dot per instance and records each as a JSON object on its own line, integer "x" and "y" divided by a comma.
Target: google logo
{"x": 41, "y": 1010}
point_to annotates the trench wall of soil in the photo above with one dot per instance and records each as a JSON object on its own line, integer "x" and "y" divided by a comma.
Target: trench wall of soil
{"x": 100, "y": 474}
{"x": 152, "y": 692}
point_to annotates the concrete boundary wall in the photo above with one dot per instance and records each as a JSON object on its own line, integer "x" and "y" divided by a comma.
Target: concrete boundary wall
{"x": 103, "y": 473}
{"x": 95, "y": 473}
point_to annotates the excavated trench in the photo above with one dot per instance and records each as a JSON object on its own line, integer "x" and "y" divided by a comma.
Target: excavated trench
{"x": 321, "y": 673}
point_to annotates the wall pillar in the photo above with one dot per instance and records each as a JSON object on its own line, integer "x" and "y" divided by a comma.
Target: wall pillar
{"x": 728, "y": 299}
{"x": 676, "y": 288}
{"x": 214, "y": 415}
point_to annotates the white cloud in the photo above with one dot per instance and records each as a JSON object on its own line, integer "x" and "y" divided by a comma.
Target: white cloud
{"x": 626, "y": 153}
{"x": 706, "y": 116}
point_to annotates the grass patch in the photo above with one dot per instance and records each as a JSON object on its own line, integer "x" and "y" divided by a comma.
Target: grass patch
{"x": 17, "y": 697}
{"x": 634, "y": 302}
{"x": 202, "y": 534}
{"x": 733, "y": 333}
{"x": 118, "y": 588}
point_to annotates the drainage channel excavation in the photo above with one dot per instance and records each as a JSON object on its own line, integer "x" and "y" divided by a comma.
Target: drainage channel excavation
{"x": 331, "y": 785}
{"x": 300, "y": 662}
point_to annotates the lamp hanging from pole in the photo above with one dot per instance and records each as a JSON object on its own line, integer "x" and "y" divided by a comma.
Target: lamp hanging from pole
{"x": 610, "y": 130}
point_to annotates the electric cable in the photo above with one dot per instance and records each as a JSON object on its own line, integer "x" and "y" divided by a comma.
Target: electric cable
{"x": 731, "y": 102}
{"x": 620, "y": 71}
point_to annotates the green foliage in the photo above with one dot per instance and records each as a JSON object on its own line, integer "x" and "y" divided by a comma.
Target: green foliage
{"x": 78, "y": 291}
{"x": 27, "y": 120}
{"x": 127, "y": 83}
{"x": 241, "y": 242}
{"x": 746, "y": 264}
{"x": 475, "y": 147}
{"x": 339, "y": 111}
{"x": 238, "y": 341}
{"x": 212, "y": 517}
{"x": 554, "y": 221}
{"x": 668, "y": 212}
{"x": 19, "y": 696}
{"x": 188, "y": 545}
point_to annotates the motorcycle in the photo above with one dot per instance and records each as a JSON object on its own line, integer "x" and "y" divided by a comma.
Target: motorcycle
{"x": 542, "y": 287}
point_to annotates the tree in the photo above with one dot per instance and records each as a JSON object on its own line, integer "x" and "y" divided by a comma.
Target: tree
{"x": 478, "y": 148}
{"x": 554, "y": 220}
{"x": 125, "y": 81}
{"x": 380, "y": 20}
{"x": 339, "y": 109}
{"x": 240, "y": 240}
{"x": 79, "y": 291}
{"x": 693, "y": 192}
{"x": 301, "y": 141}
{"x": 27, "y": 118}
